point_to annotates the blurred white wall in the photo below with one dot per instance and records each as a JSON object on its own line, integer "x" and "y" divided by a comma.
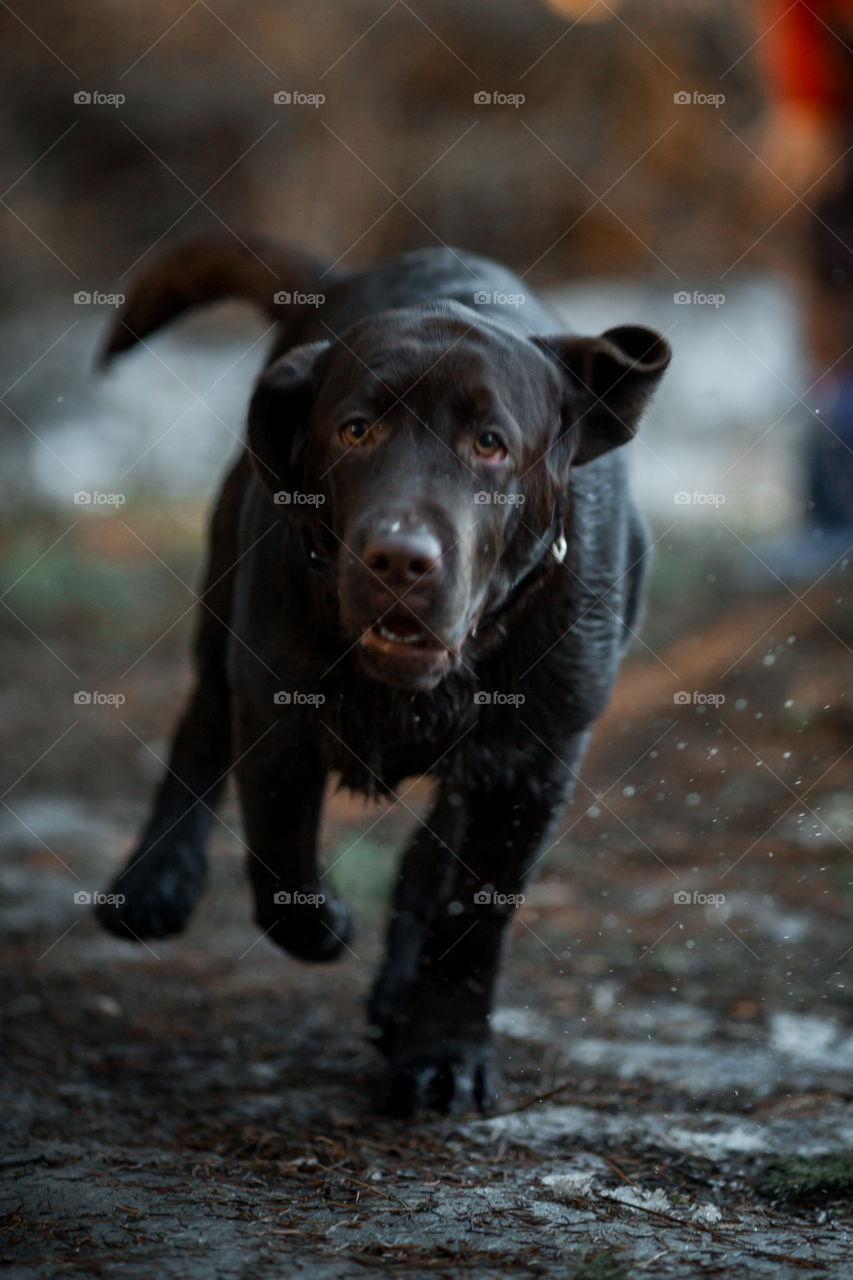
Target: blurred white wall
{"x": 726, "y": 424}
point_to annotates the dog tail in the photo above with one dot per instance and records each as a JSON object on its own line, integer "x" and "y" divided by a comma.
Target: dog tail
{"x": 207, "y": 268}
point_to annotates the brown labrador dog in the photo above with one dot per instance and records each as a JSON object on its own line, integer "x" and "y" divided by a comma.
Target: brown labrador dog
{"x": 426, "y": 561}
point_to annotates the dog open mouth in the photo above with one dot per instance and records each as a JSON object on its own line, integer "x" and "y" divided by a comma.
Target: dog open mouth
{"x": 390, "y": 634}
{"x": 401, "y": 650}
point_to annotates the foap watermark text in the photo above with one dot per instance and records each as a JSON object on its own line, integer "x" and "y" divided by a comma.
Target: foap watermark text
{"x": 684, "y": 698}
{"x": 686, "y": 898}
{"x": 695, "y": 499}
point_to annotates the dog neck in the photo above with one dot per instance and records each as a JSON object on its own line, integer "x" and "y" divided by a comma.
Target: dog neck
{"x": 494, "y": 626}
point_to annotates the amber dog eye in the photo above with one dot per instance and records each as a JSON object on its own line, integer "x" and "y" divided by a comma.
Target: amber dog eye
{"x": 354, "y": 432}
{"x": 489, "y": 445}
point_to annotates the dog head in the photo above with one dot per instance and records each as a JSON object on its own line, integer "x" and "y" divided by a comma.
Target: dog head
{"x": 428, "y": 450}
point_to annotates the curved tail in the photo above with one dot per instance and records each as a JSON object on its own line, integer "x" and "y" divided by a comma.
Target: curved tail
{"x": 207, "y": 268}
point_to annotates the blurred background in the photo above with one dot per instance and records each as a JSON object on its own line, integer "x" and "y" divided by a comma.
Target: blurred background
{"x": 641, "y": 161}
{"x": 601, "y": 186}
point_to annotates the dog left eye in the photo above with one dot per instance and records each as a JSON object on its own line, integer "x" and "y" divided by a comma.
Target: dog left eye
{"x": 489, "y": 445}
{"x": 355, "y": 432}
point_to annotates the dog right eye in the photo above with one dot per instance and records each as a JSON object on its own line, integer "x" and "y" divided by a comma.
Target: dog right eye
{"x": 354, "y": 432}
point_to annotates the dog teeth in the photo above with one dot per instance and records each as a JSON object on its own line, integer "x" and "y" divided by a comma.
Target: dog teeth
{"x": 388, "y": 634}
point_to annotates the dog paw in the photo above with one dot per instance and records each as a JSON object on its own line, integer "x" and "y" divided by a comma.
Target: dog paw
{"x": 154, "y": 896}
{"x": 314, "y": 933}
{"x": 386, "y": 1000}
{"x": 453, "y": 1077}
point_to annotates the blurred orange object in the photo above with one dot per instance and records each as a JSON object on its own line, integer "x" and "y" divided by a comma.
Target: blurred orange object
{"x": 806, "y": 51}
{"x": 584, "y": 10}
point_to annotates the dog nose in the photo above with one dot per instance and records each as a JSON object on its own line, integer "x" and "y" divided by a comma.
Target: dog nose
{"x": 402, "y": 557}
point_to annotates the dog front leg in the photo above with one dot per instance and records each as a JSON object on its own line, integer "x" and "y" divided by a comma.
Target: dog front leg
{"x": 281, "y": 787}
{"x": 421, "y": 882}
{"x": 440, "y": 1043}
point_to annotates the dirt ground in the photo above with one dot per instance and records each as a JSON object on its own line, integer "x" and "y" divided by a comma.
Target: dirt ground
{"x": 675, "y": 1025}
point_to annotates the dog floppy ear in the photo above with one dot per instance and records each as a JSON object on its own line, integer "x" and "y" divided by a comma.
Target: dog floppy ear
{"x": 608, "y": 382}
{"x": 279, "y": 412}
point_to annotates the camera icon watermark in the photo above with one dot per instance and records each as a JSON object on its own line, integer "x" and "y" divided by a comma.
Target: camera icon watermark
{"x": 283, "y": 898}
{"x": 697, "y": 698}
{"x": 284, "y": 298}
{"x": 85, "y": 298}
{"x": 95, "y": 98}
{"x": 486, "y": 497}
{"x": 686, "y": 898}
{"x": 494, "y": 698}
{"x": 696, "y": 298}
{"x": 487, "y": 298}
{"x": 83, "y": 898}
{"x": 488, "y": 897}
{"x": 94, "y": 698}
{"x": 295, "y": 98}
{"x": 696, "y": 98}
{"x": 95, "y": 498}
{"x": 293, "y": 698}
{"x": 293, "y": 498}
{"x": 695, "y": 499}
{"x": 495, "y": 98}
